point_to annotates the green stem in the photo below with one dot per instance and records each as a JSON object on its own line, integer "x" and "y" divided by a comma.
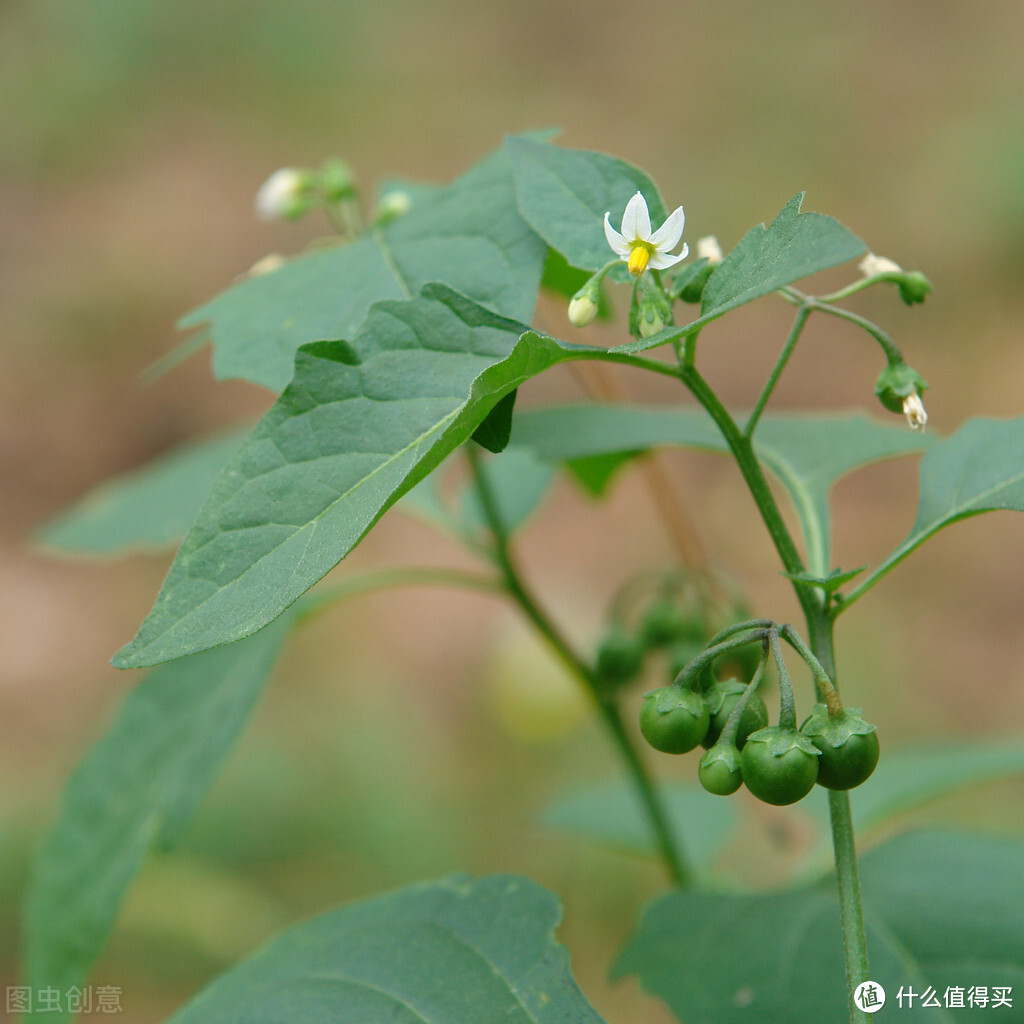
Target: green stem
{"x": 664, "y": 836}
{"x": 892, "y": 353}
{"x": 787, "y": 350}
{"x": 819, "y": 631}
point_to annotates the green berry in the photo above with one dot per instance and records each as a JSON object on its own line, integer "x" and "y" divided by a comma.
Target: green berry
{"x": 721, "y": 699}
{"x": 620, "y": 656}
{"x": 779, "y": 765}
{"x": 673, "y": 720}
{"x": 720, "y": 771}
{"x": 848, "y": 745}
{"x": 665, "y": 622}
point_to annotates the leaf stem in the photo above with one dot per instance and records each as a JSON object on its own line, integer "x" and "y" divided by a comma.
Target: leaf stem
{"x": 787, "y": 350}
{"x": 650, "y": 799}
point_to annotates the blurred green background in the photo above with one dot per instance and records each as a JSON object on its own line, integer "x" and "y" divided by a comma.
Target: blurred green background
{"x": 392, "y": 744}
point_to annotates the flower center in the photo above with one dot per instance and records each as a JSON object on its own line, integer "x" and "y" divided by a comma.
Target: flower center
{"x": 639, "y": 256}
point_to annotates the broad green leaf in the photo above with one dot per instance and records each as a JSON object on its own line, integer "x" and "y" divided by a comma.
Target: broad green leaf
{"x": 607, "y": 813}
{"x": 494, "y": 431}
{"x": 468, "y": 235}
{"x": 150, "y": 507}
{"x": 358, "y": 426}
{"x": 564, "y": 193}
{"x": 941, "y": 910}
{"x": 979, "y": 469}
{"x": 136, "y": 790}
{"x": 451, "y": 952}
{"x": 794, "y": 246}
{"x": 807, "y": 454}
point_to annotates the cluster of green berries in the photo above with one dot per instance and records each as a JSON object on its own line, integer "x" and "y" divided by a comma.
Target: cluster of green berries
{"x": 779, "y": 764}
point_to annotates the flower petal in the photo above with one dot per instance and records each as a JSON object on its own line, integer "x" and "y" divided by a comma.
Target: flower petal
{"x": 636, "y": 221}
{"x": 670, "y": 232}
{"x": 619, "y": 245}
{"x": 664, "y": 260}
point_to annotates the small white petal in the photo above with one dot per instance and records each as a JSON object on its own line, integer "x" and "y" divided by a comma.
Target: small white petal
{"x": 913, "y": 409}
{"x": 277, "y": 192}
{"x": 670, "y": 232}
{"x": 636, "y": 221}
{"x": 664, "y": 260}
{"x": 619, "y": 245}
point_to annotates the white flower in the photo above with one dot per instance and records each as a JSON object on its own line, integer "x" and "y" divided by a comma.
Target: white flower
{"x": 913, "y": 409}
{"x": 280, "y": 194}
{"x": 709, "y": 249}
{"x": 638, "y": 245}
{"x": 872, "y": 266}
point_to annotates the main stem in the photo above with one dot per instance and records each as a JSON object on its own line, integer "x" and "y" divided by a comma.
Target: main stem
{"x": 819, "y": 633}
{"x": 648, "y": 795}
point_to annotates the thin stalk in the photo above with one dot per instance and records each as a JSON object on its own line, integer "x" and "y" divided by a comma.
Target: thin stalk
{"x": 787, "y": 350}
{"x": 671, "y": 855}
{"x": 892, "y": 353}
{"x": 819, "y": 631}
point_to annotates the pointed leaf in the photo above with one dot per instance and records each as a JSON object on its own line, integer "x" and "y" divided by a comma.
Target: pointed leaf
{"x": 136, "y": 789}
{"x": 979, "y": 469}
{"x": 358, "y": 426}
{"x": 149, "y": 507}
{"x": 451, "y": 952}
{"x": 564, "y": 194}
{"x": 469, "y": 235}
{"x": 941, "y": 909}
{"x": 794, "y": 246}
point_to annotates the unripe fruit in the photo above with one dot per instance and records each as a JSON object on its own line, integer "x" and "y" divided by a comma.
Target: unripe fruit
{"x": 848, "y": 745}
{"x": 620, "y": 656}
{"x": 720, "y": 772}
{"x": 673, "y": 720}
{"x": 665, "y": 622}
{"x": 779, "y": 765}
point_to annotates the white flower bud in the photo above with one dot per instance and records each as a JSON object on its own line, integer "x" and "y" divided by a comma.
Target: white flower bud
{"x": 913, "y": 409}
{"x": 582, "y": 309}
{"x": 281, "y": 195}
{"x": 709, "y": 249}
{"x": 872, "y": 266}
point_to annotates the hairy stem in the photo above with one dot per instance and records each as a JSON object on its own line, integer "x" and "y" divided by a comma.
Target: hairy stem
{"x": 650, "y": 800}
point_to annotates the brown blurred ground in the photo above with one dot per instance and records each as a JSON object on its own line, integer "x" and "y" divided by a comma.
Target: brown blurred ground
{"x": 134, "y": 136}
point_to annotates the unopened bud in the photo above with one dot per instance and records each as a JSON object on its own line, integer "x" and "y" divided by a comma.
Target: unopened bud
{"x": 899, "y": 389}
{"x": 284, "y": 195}
{"x": 709, "y": 249}
{"x": 873, "y": 266}
{"x": 913, "y": 285}
{"x": 337, "y": 182}
{"x": 913, "y": 409}
{"x": 582, "y": 309}
{"x": 391, "y": 206}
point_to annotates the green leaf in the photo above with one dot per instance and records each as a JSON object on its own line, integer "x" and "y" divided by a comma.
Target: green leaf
{"x": 451, "y": 952}
{"x": 832, "y": 582}
{"x": 807, "y": 454}
{"x": 149, "y": 507}
{"x": 358, "y": 426}
{"x": 136, "y": 789}
{"x": 794, "y": 246}
{"x": 938, "y": 910}
{"x": 468, "y": 235}
{"x": 979, "y": 469}
{"x": 564, "y": 193}
{"x": 607, "y": 813}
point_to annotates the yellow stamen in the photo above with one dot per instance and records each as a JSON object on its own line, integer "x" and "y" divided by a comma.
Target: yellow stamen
{"x": 638, "y": 259}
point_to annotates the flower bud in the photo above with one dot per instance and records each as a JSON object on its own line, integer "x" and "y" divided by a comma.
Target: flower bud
{"x": 709, "y": 249}
{"x": 899, "y": 389}
{"x": 286, "y": 195}
{"x": 913, "y": 285}
{"x": 337, "y": 182}
{"x": 391, "y": 206}
{"x": 584, "y": 305}
{"x": 654, "y": 313}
